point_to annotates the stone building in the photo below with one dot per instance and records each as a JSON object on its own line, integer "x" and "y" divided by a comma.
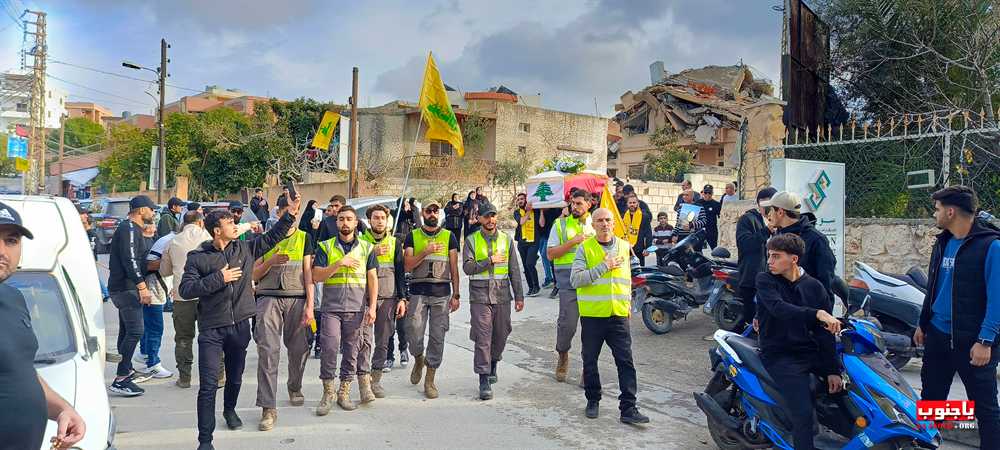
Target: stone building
{"x": 514, "y": 128}
{"x": 713, "y": 111}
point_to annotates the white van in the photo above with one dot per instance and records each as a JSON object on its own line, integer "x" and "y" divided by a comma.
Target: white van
{"x": 59, "y": 280}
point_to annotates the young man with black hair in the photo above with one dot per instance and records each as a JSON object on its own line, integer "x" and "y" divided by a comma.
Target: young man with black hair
{"x": 752, "y": 234}
{"x": 213, "y": 274}
{"x": 169, "y": 218}
{"x": 792, "y": 314}
{"x": 567, "y": 234}
{"x": 348, "y": 269}
{"x": 391, "y": 305}
{"x": 712, "y": 209}
{"x": 259, "y": 206}
{"x": 527, "y": 242}
{"x": 961, "y": 312}
{"x": 638, "y": 231}
{"x": 783, "y": 217}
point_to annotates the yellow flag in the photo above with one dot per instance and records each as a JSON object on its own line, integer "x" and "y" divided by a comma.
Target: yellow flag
{"x": 608, "y": 201}
{"x": 442, "y": 125}
{"x": 21, "y": 164}
{"x": 325, "y": 132}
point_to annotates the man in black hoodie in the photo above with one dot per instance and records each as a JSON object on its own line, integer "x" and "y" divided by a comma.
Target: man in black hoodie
{"x": 214, "y": 275}
{"x": 961, "y": 313}
{"x": 752, "y": 234}
{"x": 793, "y": 313}
{"x": 783, "y": 216}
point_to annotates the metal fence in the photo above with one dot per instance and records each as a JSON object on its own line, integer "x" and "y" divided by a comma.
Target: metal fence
{"x": 936, "y": 151}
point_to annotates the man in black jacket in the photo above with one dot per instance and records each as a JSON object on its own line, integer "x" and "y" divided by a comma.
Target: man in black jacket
{"x": 258, "y": 205}
{"x": 214, "y": 275}
{"x": 128, "y": 290}
{"x": 793, "y": 312}
{"x": 751, "y": 237}
{"x": 783, "y": 217}
{"x": 961, "y": 312}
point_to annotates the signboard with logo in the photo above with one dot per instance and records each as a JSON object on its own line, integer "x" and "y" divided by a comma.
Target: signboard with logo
{"x": 820, "y": 184}
{"x": 17, "y": 147}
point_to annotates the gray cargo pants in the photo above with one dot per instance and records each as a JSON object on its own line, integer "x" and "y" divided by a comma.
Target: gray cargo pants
{"x": 569, "y": 312}
{"x": 279, "y": 319}
{"x": 375, "y": 339}
{"x": 490, "y": 329}
{"x": 340, "y": 331}
{"x": 423, "y": 313}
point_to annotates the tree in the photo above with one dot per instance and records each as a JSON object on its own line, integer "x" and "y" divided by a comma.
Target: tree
{"x": 543, "y": 191}
{"x": 80, "y": 133}
{"x": 128, "y": 164}
{"x": 474, "y": 132}
{"x": 893, "y": 57}
{"x": 671, "y": 161}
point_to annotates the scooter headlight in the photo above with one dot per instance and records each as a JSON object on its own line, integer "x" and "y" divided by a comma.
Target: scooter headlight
{"x": 891, "y": 410}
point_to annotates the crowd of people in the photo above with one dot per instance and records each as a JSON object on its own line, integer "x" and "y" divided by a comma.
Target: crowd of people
{"x": 332, "y": 286}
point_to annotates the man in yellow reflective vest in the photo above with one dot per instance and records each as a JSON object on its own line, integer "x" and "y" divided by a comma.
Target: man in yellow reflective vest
{"x": 489, "y": 257}
{"x": 603, "y": 282}
{"x": 347, "y": 268}
{"x": 567, "y": 233}
{"x": 284, "y": 313}
{"x": 391, "y": 301}
{"x": 430, "y": 253}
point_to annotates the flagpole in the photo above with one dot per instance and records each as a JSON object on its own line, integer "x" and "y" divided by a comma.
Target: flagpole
{"x": 409, "y": 165}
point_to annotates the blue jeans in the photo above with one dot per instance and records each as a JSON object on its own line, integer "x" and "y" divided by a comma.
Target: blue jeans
{"x": 543, "y": 246}
{"x": 152, "y": 335}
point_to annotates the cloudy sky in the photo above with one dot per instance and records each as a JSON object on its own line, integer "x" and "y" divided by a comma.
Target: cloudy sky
{"x": 570, "y": 52}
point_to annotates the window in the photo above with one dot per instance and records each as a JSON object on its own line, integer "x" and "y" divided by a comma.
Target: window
{"x": 50, "y": 318}
{"x": 636, "y": 170}
{"x": 722, "y": 153}
{"x": 525, "y": 127}
{"x": 441, "y": 148}
{"x": 22, "y": 107}
{"x": 522, "y": 150}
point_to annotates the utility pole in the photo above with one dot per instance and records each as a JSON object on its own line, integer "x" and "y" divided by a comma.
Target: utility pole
{"x": 161, "y": 151}
{"x": 35, "y": 178}
{"x": 62, "y": 140}
{"x": 353, "y": 137}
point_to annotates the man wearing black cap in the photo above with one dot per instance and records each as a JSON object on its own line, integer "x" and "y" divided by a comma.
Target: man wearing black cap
{"x": 490, "y": 260}
{"x": 168, "y": 219}
{"x": 127, "y": 286}
{"x": 712, "y": 209}
{"x": 783, "y": 216}
{"x": 26, "y": 401}
{"x": 752, "y": 234}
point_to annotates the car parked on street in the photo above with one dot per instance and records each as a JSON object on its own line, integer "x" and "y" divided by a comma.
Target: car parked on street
{"x": 109, "y": 212}
{"x": 361, "y": 205}
{"x": 59, "y": 281}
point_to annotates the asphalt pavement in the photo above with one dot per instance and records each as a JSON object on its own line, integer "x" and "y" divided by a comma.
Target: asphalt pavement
{"x": 529, "y": 410}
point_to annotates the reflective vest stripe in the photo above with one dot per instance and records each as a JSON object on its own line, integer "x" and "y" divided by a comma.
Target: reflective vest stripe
{"x": 567, "y": 228}
{"x": 294, "y": 246}
{"x": 346, "y": 275}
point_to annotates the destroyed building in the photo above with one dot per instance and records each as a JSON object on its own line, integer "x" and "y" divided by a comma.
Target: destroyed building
{"x": 705, "y": 109}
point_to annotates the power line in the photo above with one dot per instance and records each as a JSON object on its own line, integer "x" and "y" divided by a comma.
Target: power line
{"x": 95, "y": 99}
{"x": 92, "y": 69}
{"x": 137, "y": 102}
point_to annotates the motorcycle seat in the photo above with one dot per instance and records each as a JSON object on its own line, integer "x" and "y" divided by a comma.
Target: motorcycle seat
{"x": 918, "y": 276}
{"x": 910, "y": 280}
{"x": 749, "y": 352}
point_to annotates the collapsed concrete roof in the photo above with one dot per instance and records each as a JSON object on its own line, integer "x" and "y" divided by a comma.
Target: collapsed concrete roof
{"x": 695, "y": 102}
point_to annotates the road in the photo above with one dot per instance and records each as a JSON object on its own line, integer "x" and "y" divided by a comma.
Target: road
{"x": 530, "y": 409}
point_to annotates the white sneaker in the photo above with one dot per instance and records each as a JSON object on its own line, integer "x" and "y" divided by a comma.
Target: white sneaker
{"x": 158, "y": 371}
{"x": 138, "y": 360}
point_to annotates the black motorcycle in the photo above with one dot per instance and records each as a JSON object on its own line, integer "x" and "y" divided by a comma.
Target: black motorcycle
{"x": 661, "y": 296}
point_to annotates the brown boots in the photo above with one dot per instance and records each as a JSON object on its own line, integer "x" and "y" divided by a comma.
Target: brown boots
{"x": 267, "y": 419}
{"x": 562, "y": 367}
{"x": 377, "y": 389}
{"x": 344, "y": 396}
{"x": 325, "y": 403}
{"x": 365, "y": 388}
{"x": 418, "y": 369}
{"x": 296, "y": 398}
{"x": 430, "y": 390}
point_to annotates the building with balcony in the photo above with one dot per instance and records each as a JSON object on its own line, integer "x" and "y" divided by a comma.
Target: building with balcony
{"x": 15, "y": 92}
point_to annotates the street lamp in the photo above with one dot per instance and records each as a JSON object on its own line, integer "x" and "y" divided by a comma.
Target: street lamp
{"x": 161, "y": 151}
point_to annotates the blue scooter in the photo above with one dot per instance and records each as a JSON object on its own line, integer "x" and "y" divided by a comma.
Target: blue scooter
{"x": 877, "y": 409}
